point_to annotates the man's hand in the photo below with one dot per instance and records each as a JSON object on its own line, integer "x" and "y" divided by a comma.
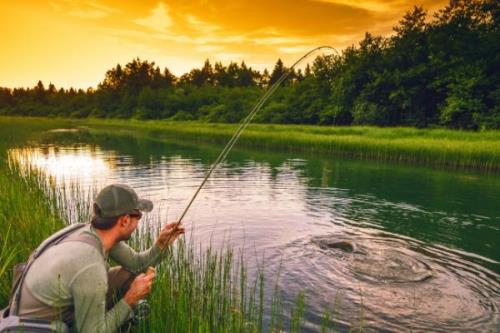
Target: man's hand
{"x": 169, "y": 234}
{"x": 140, "y": 288}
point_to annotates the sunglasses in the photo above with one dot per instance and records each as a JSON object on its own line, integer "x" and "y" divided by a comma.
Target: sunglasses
{"x": 136, "y": 214}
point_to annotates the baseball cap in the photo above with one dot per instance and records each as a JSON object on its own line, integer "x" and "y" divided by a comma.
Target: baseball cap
{"x": 119, "y": 199}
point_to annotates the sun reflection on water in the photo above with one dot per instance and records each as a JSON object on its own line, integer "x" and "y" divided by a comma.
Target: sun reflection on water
{"x": 85, "y": 164}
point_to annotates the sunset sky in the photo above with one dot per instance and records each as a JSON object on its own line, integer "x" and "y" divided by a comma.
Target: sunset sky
{"x": 73, "y": 43}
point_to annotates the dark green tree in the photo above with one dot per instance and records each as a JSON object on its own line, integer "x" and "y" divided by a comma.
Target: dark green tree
{"x": 278, "y": 71}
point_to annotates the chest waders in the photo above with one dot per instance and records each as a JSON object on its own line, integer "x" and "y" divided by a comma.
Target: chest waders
{"x": 10, "y": 320}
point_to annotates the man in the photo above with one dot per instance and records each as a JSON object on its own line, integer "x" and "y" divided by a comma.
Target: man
{"x": 71, "y": 280}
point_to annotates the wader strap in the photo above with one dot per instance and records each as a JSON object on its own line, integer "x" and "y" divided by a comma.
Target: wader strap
{"x": 85, "y": 238}
{"x": 53, "y": 240}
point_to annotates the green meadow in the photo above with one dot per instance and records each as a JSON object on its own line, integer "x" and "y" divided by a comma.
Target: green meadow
{"x": 433, "y": 147}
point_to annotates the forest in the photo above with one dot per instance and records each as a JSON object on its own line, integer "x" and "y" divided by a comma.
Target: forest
{"x": 439, "y": 70}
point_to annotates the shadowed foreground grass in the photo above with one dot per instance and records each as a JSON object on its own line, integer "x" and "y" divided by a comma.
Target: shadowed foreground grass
{"x": 28, "y": 213}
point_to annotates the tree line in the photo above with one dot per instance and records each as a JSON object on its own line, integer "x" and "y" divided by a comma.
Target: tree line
{"x": 432, "y": 71}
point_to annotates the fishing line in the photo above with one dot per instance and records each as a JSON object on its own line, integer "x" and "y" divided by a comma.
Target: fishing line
{"x": 245, "y": 123}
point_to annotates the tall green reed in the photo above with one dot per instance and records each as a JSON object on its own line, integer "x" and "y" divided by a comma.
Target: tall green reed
{"x": 204, "y": 289}
{"x": 198, "y": 289}
{"x": 28, "y": 214}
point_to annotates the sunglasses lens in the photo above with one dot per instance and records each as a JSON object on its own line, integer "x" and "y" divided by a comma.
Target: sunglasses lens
{"x": 137, "y": 215}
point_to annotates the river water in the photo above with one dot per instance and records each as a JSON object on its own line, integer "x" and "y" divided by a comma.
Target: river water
{"x": 398, "y": 221}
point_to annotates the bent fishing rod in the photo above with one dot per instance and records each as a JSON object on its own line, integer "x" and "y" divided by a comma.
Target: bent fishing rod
{"x": 245, "y": 123}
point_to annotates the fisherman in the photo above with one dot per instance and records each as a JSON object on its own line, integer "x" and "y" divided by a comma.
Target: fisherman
{"x": 71, "y": 281}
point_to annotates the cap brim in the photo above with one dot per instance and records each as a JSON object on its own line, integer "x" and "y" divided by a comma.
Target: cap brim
{"x": 145, "y": 205}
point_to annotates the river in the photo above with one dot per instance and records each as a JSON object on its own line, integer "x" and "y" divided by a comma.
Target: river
{"x": 276, "y": 205}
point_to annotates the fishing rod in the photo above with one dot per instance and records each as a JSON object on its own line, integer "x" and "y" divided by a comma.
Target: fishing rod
{"x": 245, "y": 123}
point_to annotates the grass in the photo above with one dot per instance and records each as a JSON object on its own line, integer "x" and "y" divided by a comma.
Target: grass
{"x": 28, "y": 212}
{"x": 434, "y": 147}
{"x": 195, "y": 291}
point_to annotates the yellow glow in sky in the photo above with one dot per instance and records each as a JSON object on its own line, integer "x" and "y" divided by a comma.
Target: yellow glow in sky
{"x": 73, "y": 43}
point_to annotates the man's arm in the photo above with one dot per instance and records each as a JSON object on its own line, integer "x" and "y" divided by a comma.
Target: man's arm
{"x": 133, "y": 261}
{"x": 89, "y": 295}
{"x": 137, "y": 262}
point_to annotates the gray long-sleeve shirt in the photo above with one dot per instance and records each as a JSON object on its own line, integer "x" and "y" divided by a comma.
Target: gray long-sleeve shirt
{"x": 70, "y": 279}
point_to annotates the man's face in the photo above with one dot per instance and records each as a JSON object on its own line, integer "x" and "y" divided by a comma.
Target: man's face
{"x": 130, "y": 224}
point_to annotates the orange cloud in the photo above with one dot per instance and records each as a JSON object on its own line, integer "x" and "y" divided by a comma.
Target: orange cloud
{"x": 73, "y": 43}
{"x": 159, "y": 19}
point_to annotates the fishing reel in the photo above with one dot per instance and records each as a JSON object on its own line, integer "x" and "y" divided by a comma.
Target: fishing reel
{"x": 140, "y": 312}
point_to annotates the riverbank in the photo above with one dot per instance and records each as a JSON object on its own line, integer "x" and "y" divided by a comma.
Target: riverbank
{"x": 432, "y": 147}
{"x": 28, "y": 213}
{"x": 28, "y": 209}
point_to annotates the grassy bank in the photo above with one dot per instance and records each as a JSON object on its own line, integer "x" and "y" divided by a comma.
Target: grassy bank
{"x": 196, "y": 291}
{"x": 27, "y": 216}
{"x": 28, "y": 209}
{"x": 433, "y": 147}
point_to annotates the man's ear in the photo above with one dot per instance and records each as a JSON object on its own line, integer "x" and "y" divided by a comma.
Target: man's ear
{"x": 124, "y": 220}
